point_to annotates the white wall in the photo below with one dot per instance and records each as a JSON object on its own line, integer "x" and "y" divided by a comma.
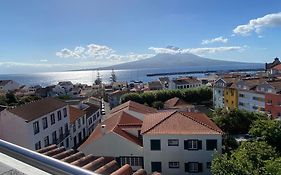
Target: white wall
{"x": 14, "y": 129}
{"x": 218, "y": 97}
{"x": 78, "y": 130}
{"x": 178, "y": 153}
{"x": 10, "y": 86}
{"x": 113, "y": 145}
{"x": 247, "y": 102}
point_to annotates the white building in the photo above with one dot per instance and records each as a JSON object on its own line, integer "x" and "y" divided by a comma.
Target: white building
{"x": 184, "y": 83}
{"x": 78, "y": 126}
{"x": 169, "y": 142}
{"x": 8, "y": 85}
{"x": 93, "y": 116}
{"x": 249, "y": 97}
{"x": 67, "y": 85}
{"x": 37, "y": 124}
{"x": 179, "y": 142}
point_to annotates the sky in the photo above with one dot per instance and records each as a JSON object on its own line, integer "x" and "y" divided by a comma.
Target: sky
{"x": 57, "y": 35}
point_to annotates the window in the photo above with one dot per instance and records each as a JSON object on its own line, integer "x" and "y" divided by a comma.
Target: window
{"x": 45, "y": 123}
{"x": 46, "y": 141}
{"x": 79, "y": 123}
{"x": 192, "y": 144}
{"x": 155, "y": 145}
{"x": 269, "y": 101}
{"x": 209, "y": 165}
{"x": 61, "y": 132}
{"x": 66, "y": 128}
{"x": 90, "y": 121}
{"x": 36, "y": 127}
{"x": 59, "y": 115}
{"x": 133, "y": 161}
{"x": 38, "y": 145}
{"x": 67, "y": 143}
{"x": 193, "y": 167}
{"x": 54, "y": 136}
{"x": 173, "y": 142}
{"x": 241, "y": 104}
{"x": 174, "y": 165}
{"x": 211, "y": 145}
{"x": 53, "y": 120}
{"x": 156, "y": 167}
{"x": 64, "y": 112}
{"x": 74, "y": 127}
{"x": 241, "y": 95}
{"x": 83, "y": 120}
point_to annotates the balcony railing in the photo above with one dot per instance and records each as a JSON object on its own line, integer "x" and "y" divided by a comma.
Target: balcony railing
{"x": 40, "y": 161}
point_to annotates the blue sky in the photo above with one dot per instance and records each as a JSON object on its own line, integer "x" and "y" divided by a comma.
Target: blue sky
{"x": 52, "y": 35}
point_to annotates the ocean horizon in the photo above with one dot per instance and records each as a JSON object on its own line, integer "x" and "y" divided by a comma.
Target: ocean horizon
{"x": 89, "y": 76}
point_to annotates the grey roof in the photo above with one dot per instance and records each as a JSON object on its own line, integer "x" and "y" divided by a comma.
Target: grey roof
{"x": 37, "y": 109}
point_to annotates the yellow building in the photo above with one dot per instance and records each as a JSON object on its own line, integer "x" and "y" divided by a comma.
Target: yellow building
{"x": 230, "y": 98}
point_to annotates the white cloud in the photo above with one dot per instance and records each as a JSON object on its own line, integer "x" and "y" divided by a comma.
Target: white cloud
{"x": 100, "y": 54}
{"x": 197, "y": 51}
{"x": 258, "y": 24}
{"x": 214, "y": 40}
{"x": 43, "y": 60}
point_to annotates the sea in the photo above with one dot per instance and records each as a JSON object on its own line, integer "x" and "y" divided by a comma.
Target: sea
{"x": 88, "y": 76}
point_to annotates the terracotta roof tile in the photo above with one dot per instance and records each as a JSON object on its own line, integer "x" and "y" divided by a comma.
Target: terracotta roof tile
{"x": 124, "y": 170}
{"x": 178, "y": 123}
{"x": 46, "y": 149}
{"x": 174, "y": 103}
{"x": 84, "y": 160}
{"x": 75, "y": 114}
{"x": 36, "y": 109}
{"x": 114, "y": 123}
{"x": 134, "y": 106}
{"x": 65, "y": 154}
{"x": 54, "y": 151}
{"x": 277, "y": 67}
{"x": 108, "y": 168}
{"x": 140, "y": 172}
{"x": 73, "y": 157}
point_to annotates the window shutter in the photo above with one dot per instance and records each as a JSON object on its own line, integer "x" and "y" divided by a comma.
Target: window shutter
{"x": 200, "y": 167}
{"x": 186, "y": 167}
{"x": 185, "y": 144}
{"x": 199, "y": 144}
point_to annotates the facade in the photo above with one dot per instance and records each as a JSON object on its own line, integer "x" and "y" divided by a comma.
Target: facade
{"x": 93, "y": 116}
{"x": 155, "y": 85}
{"x": 187, "y": 147}
{"x": 230, "y": 97}
{"x": 185, "y": 83}
{"x": 218, "y": 93}
{"x": 78, "y": 126}
{"x": 8, "y": 85}
{"x": 114, "y": 98}
{"x": 37, "y": 124}
{"x": 251, "y": 101}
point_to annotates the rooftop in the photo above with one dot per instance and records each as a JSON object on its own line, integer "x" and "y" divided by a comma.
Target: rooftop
{"x": 37, "y": 109}
{"x": 174, "y": 122}
{"x": 75, "y": 113}
{"x": 134, "y": 106}
{"x": 115, "y": 123}
{"x": 175, "y": 103}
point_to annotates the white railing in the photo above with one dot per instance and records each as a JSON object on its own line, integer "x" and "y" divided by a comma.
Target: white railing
{"x": 40, "y": 161}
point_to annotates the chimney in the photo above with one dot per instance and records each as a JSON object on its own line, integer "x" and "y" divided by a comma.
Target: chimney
{"x": 103, "y": 129}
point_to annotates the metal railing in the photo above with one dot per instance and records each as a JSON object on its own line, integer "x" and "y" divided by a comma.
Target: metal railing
{"x": 40, "y": 161}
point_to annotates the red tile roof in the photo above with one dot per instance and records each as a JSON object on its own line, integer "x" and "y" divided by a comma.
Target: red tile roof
{"x": 75, "y": 114}
{"x": 134, "y": 106}
{"x": 174, "y": 122}
{"x": 101, "y": 165}
{"x": 115, "y": 123}
{"x": 175, "y": 103}
{"x": 277, "y": 67}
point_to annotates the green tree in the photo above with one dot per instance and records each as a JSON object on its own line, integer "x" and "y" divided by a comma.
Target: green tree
{"x": 249, "y": 159}
{"x": 11, "y": 99}
{"x": 3, "y": 100}
{"x": 235, "y": 121}
{"x": 273, "y": 167}
{"x": 269, "y": 131}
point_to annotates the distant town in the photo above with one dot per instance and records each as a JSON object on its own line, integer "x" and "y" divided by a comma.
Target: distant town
{"x": 180, "y": 125}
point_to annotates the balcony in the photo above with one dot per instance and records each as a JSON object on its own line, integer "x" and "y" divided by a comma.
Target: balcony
{"x": 61, "y": 138}
{"x": 35, "y": 162}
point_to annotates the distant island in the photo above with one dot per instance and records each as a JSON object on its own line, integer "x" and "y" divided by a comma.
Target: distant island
{"x": 166, "y": 60}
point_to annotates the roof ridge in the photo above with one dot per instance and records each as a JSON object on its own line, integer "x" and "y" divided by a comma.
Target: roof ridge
{"x": 201, "y": 123}
{"x": 160, "y": 121}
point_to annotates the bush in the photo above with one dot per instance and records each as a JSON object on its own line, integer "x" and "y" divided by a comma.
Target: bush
{"x": 158, "y": 105}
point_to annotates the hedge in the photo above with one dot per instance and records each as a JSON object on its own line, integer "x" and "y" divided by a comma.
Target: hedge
{"x": 195, "y": 95}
